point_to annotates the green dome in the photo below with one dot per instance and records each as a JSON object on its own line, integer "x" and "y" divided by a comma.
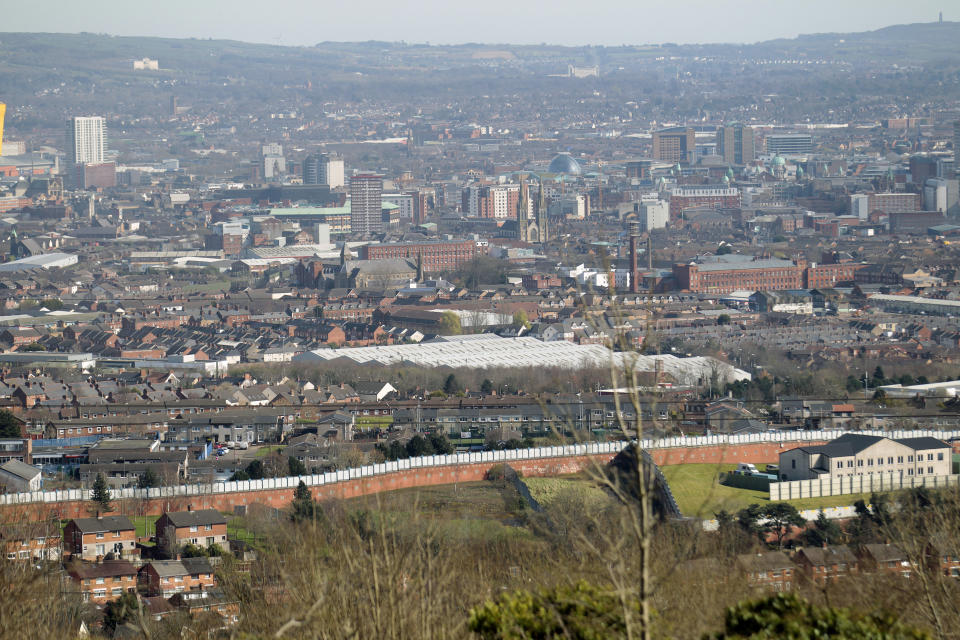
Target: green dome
{"x": 778, "y": 161}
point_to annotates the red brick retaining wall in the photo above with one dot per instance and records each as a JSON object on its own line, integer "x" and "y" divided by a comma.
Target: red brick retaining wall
{"x": 405, "y": 479}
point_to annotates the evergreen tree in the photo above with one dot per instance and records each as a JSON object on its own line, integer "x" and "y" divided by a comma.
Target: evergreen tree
{"x": 120, "y": 611}
{"x": 148, "y": 479}
{"x": 296, "y": 467}
{"x": 418, "y": 446}
{"x": 101, "y": 494}
{"x": 824, "y": 531}
{"x": 451, "y": 386}
{"x": 255, "y": 470}
{"x": 303, "y": 506}
{"x": 790, "y": 617}
{"x": 780, "y": 517}
{"x": 486, "y": 387}
{"x": 440, "y": 444}
{"x": 9, "y": 425}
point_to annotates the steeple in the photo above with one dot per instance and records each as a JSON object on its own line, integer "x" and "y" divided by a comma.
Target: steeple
{"x": 542, "y": 214}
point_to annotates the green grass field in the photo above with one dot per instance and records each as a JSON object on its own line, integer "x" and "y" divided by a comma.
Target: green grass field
{"x": 698, "y": 492}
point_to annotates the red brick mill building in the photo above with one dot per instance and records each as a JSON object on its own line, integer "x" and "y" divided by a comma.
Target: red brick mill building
{"x": 436, "y": 255}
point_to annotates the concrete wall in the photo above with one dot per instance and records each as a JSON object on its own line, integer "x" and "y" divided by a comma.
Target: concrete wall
{"x": 838, "y": 486}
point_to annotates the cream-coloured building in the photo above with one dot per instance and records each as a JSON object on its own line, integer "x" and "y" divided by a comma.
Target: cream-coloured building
{"x": 858, "y": 455}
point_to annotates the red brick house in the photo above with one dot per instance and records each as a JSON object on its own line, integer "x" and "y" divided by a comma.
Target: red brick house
{"x": 771, "y": 570}
{"x": 103, "y": 582}
{"x": 94, "y": 538}
{"x": 203, "y": 528}
{"x": 826, "y": 564}
{"x": 168, "y": 577}
{"x": 884, "y": 558}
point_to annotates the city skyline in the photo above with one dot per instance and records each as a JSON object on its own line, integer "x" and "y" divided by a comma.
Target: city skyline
{"x": 606, "y": 24}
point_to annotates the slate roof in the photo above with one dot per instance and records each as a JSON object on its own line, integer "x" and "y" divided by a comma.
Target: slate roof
{"x": 183, "y": 567}
{"x": 196, "y": 518}
{"x": 106, "y": 569}
{"x": 20, "y": 469}
{"x": 105, "y": 523}
{"x": 850, "y": 444}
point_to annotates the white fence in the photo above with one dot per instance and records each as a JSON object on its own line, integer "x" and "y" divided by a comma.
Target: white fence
{"x": 831, "y": 513}
{"x": 883, "y": 481}
{"x": 782, "y": 438}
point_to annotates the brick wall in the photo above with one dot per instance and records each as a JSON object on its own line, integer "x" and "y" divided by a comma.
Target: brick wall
{"x": 405, "y": 479}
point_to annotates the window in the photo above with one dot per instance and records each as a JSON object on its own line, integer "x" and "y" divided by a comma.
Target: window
{"x": 840, "y": 464}
{"x": 869, "y": 462}
{"x": 900, "y": 459}
{"x": 849, "y": 463}
{"x": 909, "y": 472}
{"x": 929, "y": 469}
{"x": 919, "y": 471}
{"x": 909, "y": 458}
{"x": 939, "y": 456}
{"x": 929, "y": 456}
{"x": 860, "y": 463}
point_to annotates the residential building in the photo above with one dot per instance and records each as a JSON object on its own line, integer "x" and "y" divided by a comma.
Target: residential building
{"x": 94, "y": 538}
{"x": 103, "y": 582}
{"x": 32, "y": 541}
{"x": 203, "y": 528}
{"x": 86, "y": 140}
{"x": 366, "y": 203}
{"x": 676, "y": 144}
{"x": 884, "y": 558}
{"x": 771, "y": 569}
{"x": 168, "y": 577}
{"x": 822, "y": 565}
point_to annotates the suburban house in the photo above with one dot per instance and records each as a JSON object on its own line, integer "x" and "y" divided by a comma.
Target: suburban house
{"x": 772, "y": 569}
{"x": 94, "y": 538}
{"x": 203, "y": 528}
{"x": 19, "y": 476}
{"x": 825, "y": 564}
{"x": 855, "y": 454}
{"x": 31, "y": 540}
{"x": 167, "y": 577}
{"x": 884, "y": 558}
{"x": 105, "y": 581}
{"x": 212, "y": 600}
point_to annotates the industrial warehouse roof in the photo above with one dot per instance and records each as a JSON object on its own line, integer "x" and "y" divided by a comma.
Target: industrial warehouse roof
{"x": 42, "y": 261}
{"x": 883, "y": 297}
{"x": 489, "y": 350}
{"x": 734, "y": 262}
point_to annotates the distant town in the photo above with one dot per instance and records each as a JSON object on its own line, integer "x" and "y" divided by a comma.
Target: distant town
{"x": 220, "y": 312}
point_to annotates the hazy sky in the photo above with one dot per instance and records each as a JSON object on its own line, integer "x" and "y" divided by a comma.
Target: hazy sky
{"x": 609, "y": 22}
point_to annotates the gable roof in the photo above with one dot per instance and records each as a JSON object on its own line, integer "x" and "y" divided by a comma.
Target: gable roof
{"x": 106, "y": 569}
{"x": 20, "y": 469}
{"x": 104, "y": 523}
{"x": 182, "y": 567}
{"x": 195, "y": 518}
